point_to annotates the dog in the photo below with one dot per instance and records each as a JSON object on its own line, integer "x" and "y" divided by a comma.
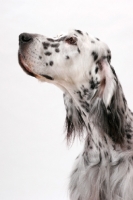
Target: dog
{"x": 80, "y": 65}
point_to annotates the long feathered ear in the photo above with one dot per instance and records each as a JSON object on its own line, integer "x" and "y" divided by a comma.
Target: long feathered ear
{"x": 110, "y": 107}
{"x": 109, "y": 81}
{"x": 116, "y": 115}
{"x": 74, "y": 121}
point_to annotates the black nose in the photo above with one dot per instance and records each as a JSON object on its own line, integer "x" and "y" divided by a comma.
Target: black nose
{"x": 25, "y": 38}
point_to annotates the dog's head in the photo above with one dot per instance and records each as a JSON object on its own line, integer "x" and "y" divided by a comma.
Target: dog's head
{"x": 71, "y": 61}
{"x": 66, "y": 59}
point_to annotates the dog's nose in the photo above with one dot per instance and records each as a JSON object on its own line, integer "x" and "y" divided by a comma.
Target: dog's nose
{"x": 25, "y": 38}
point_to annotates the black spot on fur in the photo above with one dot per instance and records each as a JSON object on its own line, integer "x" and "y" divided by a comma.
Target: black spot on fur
{"x": 47, "y": 77}
{"x": 105, "y": 139}
{"x": 78, "y": 31}
{"x": 51, "y": 63}
{"x": 55, "y": 45}
{"x": 85, "y": 91}
{"x": 57, "y": 50}
{"x": 67, "y": 57}
{"x": 92, "y": 41}
{"x": 50, "y": 39}
{"x": 128, "y": 136}
{"x": 78, "y": 50}
{"x": 80, "y": 95}
{"x": 84, "y": 113}
{"x": 48, "y": 53}
{"x": 100, "y": 145}
{"x": 46, "y": 64}
{"x": 89, "y": 127}
{"x": 45, "y": 45}
{"x": 97, "y": 39}
{"x": 95, "y": 55}
{"x": 85, "y": 105}
{"x": 96, "y": 70}
{"x": 108, "y": 58}
{"x": 92, "y": 84}
{"x": 40, "y": 57}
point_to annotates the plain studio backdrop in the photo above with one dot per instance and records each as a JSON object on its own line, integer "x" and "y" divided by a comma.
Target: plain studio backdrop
{"x": 35, "y": 161}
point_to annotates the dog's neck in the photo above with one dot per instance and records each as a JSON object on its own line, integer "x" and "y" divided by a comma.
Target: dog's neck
{"x": 87, "y": 112}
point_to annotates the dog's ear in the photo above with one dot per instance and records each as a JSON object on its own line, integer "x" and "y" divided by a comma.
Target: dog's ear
{"x": 116, "y": 115}
{"x": 111, "y": 104}
{"x": 74, "y": 121}
{"x": 108, "y": 84}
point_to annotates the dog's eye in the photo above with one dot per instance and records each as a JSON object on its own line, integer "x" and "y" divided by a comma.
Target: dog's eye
{"x": 71, "y": 40}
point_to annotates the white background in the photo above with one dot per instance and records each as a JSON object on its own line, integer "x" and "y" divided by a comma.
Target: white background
{"x": 35, "y": 161}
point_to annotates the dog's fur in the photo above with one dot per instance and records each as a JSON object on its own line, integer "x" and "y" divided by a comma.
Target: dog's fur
{"x": 80, "y": 65}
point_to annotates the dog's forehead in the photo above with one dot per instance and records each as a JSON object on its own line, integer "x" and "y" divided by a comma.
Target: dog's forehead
{"x": 71, "y": 32}
{"x": 80, "y": 35}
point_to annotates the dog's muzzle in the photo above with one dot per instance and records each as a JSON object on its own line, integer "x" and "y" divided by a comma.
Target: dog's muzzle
{"x": 24, "y": 40}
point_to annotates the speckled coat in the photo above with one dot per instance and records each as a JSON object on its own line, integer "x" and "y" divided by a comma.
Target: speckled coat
{"x": 80, "y": 65}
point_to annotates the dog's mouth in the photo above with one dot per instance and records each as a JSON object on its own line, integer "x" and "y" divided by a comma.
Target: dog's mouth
{"x": 26, "y": 69}
{"x": 24, "y": 66}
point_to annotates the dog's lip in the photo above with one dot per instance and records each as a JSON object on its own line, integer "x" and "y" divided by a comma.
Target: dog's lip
{"x": 24, "y": 65}
{"x": 26, "y": 69}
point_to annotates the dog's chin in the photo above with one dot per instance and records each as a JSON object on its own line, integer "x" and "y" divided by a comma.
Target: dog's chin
{"x": 26, "y": 68}
{"x": 24, "y": 65}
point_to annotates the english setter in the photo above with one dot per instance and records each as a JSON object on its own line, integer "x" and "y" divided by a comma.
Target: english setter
{"x": 80, "y": 65}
